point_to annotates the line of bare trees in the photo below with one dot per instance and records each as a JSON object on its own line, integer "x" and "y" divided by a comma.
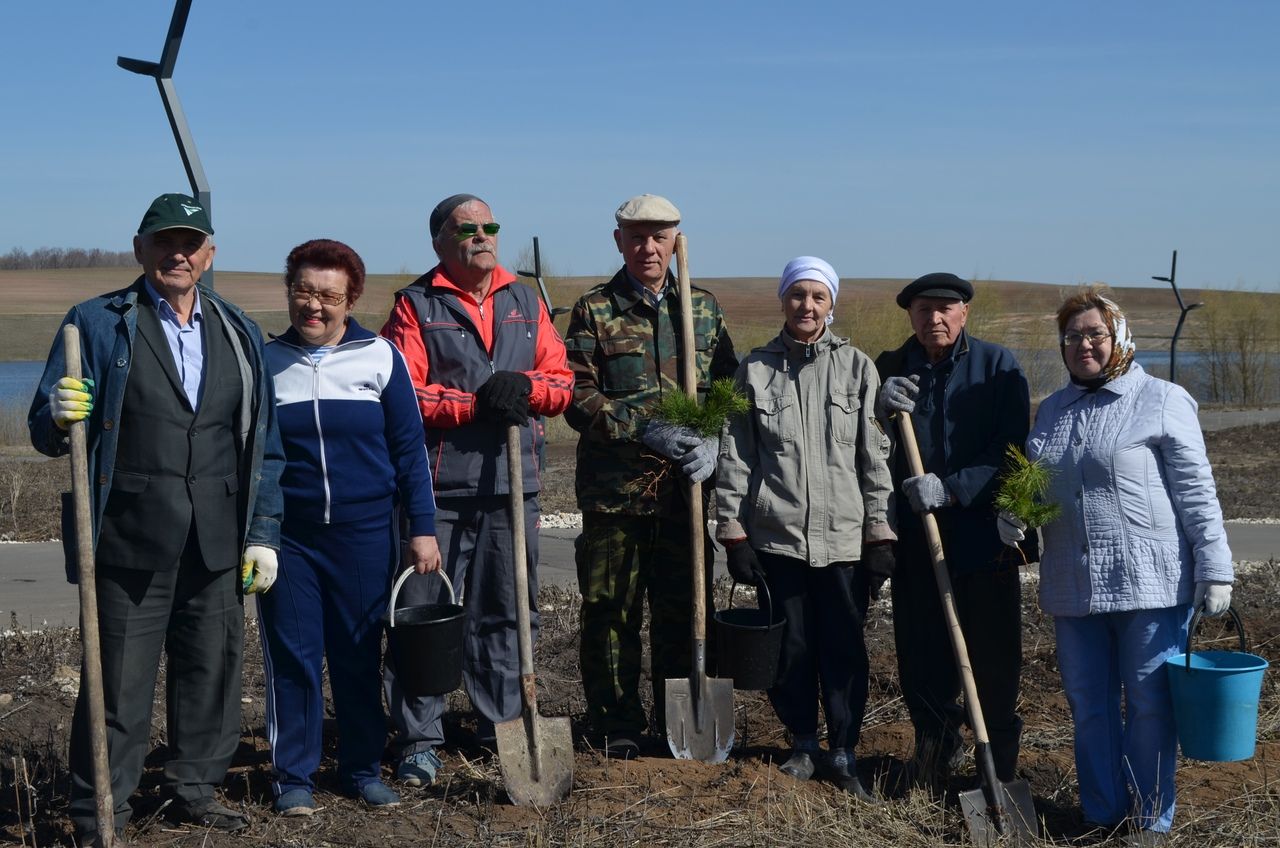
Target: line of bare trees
{"x": 50, "y": 258}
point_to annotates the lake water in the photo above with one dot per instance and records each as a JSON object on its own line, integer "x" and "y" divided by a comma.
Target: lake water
{"x": 18, "y": 382}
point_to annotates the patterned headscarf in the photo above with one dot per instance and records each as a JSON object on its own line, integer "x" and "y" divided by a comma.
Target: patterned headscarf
{"x": 1122, "y": 346}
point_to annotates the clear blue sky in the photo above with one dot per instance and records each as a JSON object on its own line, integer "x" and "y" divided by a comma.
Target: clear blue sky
{"x": 1058, "y": 142}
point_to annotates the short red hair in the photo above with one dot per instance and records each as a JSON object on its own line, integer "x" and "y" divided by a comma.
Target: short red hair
{"x": 327, "y": 255}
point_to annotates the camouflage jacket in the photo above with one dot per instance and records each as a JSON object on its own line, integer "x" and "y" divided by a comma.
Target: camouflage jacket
{"x": 624, "y": 356}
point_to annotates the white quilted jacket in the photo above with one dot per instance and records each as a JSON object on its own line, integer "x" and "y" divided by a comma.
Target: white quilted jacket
{"x": 1140, "y": 519}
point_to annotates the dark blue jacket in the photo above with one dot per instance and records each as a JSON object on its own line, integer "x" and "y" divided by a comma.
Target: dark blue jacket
{"x": 972, "y": 406}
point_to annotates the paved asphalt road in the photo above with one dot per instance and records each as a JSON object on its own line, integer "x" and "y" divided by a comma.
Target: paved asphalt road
{"x": 34, "y": 591}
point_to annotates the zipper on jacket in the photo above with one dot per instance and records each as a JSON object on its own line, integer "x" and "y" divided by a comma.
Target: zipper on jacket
{"x": 324, "y": 463}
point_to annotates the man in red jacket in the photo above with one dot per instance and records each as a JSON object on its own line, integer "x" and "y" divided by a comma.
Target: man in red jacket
{"x": 483, "y": 355}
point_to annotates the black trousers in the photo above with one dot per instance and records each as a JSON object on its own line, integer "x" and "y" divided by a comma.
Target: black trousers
{"x": 989, "y": 605}
{"x": 823, "y": 650}
{"x": 196, "y": 617}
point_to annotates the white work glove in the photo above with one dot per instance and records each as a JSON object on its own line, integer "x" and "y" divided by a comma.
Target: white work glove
{"x": 1214, "y": 597}
{"x": 1012, "y": 529}
{"x": 898, "y": 394}
{"x": 671, "y": 440}
{"x": 258, "y": 567}
{"x": 926, "y": 493}
{"x": 699, "y": 463}
{"x": 70, "y": 400}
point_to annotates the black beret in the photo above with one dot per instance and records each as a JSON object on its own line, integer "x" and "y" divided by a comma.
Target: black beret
{"x": 445, "y": 208}
{"x": 939, "y": 284}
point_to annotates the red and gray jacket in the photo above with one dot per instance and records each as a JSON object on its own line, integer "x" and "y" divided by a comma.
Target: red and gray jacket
{"x": 452, "y": 345}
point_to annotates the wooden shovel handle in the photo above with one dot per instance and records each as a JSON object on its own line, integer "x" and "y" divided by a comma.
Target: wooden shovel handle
{"x": 943, "y": 577}
{"x": 689, "y": 382}
{"x": 515, "y": 482}
{"x": 90, "y": 644}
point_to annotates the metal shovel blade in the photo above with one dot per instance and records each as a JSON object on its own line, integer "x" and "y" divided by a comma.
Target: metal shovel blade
{"x": 700, "y": 718}
{"x": 535, "y": 755}
{"x": 1018, "y": 825}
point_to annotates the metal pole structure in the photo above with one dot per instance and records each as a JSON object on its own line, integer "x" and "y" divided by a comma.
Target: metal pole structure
{"x": 1177, "y": 331}
{"x": 162, "y": 72}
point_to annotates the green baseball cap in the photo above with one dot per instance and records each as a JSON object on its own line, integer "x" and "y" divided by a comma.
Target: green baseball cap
{"x": 173, "y": 211}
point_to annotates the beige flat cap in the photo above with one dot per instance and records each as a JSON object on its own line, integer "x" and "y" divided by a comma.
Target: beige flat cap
{"x": 647, "y": 209}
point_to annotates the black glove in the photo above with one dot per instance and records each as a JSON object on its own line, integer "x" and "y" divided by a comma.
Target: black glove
{"x": 744, "y": 565}
{"x": 878, "y": 561}
{"x": 504, "y": 398}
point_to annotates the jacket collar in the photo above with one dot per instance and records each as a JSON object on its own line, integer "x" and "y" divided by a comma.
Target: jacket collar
{"x": 353, "y": 333}
{"x": 628, "y": 295}
{"x": 786, "y": 345}
{"x": 1120, "y": 386}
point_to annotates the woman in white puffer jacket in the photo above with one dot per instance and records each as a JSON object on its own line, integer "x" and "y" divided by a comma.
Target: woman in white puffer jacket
{"x": 1139, "y": 543}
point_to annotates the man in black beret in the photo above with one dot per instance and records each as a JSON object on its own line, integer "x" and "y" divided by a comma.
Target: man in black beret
{"x": 969, "y": 402}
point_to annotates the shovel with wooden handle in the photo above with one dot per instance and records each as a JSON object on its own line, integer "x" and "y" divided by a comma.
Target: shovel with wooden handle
{"x": 103, "y": 803}
{"x": 699, "y": 708}
{"x": 997, "y": 811}
{"x": 535, "y": 754}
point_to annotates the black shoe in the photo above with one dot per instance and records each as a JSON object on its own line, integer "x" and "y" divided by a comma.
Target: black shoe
{"x": 207, "y": 812}
{"x": 841, "y": 770}
{"x": 621, "y": 746}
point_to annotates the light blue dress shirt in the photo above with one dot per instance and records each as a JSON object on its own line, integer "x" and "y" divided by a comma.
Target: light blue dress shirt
{"x": 186, "y": 343}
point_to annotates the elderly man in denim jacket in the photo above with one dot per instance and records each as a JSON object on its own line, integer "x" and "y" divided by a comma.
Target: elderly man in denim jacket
{"x": 184, "y": 468}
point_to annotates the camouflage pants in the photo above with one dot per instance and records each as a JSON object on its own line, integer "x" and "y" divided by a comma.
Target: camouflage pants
{"x": 621, "y": 560}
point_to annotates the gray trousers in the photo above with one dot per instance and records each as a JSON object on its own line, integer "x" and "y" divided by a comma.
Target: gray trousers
{"x": 196, "y": 617}
{"x": 475, "y": 542}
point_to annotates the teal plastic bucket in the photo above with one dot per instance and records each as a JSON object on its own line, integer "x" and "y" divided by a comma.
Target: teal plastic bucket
{"x": 1215, "y": 698}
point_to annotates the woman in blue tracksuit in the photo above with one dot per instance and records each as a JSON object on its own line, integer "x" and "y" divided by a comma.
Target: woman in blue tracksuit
{"x": 354, "y": 451}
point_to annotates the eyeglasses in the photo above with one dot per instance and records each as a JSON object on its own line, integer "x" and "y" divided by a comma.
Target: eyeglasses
{"x": 1095, "y": 337}
{"x": 303, "y": 297}
{"x": 466, "y": 231}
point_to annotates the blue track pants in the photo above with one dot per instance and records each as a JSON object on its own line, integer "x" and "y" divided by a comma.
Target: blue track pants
{"x": 328, "y": 601}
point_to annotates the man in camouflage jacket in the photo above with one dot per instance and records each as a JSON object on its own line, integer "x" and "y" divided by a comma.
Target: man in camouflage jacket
{"x": 623, "y": 345}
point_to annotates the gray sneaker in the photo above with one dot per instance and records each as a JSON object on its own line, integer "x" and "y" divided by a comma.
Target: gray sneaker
{"x": 799, "y": 765}
{"x": 419, "y": 769}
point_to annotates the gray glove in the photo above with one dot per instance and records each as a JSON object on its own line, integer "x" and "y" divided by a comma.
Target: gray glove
{"x": 926, "y": 493}
{"x": 699, "y": 463}
{"x": 898, "y": 394}
{"x": 671, "y": 440}
{"x": 1012, "y": 529}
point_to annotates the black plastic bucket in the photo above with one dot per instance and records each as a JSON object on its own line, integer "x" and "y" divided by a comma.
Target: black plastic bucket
{"x": 748, "y": 642}
{"x": 426, "y": 642}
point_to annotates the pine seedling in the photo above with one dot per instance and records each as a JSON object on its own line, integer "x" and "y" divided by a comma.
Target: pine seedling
{"x": 707, "y": 418}
{"x": 1023, "y": 486}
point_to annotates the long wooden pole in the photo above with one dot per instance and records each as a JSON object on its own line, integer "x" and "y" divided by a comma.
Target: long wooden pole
{"x": 689, "y": 382}
{"x": 90, "y": 646}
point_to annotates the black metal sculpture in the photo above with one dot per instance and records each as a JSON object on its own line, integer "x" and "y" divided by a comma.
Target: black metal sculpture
{"x": 1173, "y": 345}
{"x": 162, "y": 72}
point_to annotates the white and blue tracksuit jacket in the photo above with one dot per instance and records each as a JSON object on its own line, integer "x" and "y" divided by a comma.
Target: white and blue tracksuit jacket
{"x": 352, "y": 432}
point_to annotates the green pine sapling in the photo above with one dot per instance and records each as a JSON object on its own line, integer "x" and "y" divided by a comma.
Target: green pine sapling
{"x": 707, "y": 418}
{"x": 1023, "y": 485}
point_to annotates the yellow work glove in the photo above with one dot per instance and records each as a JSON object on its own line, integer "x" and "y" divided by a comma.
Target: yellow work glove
{"x": 258, "y": 567}
{"x": 70, "y": 400}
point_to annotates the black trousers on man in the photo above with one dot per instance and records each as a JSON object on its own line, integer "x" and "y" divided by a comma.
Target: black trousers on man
{"x": 823, "y": 651}
{"x": 989, "y": 605}
{"x": 196, "y": 616}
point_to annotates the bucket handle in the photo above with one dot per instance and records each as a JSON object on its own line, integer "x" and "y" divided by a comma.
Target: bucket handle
{"x": 1195, "y": 622}
{"x": 395, "y": 590}
{"x": 768, "y": 599}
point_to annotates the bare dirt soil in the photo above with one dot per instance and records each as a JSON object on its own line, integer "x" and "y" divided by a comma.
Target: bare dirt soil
{"x": 656, "y": 800}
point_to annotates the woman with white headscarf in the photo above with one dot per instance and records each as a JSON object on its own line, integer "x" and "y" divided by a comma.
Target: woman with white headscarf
{"x": 1138, "y": 545}
{"x": 802, "y": 495}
